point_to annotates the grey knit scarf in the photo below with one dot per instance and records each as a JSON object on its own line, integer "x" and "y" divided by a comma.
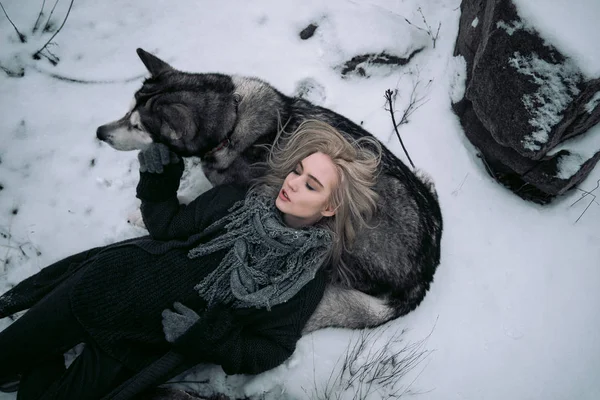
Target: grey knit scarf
{"x": 267, "y": 262}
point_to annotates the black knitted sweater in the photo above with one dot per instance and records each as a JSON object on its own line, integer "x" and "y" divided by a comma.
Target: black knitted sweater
{"x": 121, "y": 290}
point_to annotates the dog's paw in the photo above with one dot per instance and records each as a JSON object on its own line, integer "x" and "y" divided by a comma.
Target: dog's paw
{"x": 135, "y": 218}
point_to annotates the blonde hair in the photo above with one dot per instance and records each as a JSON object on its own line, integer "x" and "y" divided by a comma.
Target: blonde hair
{"x": 357, "y": 165}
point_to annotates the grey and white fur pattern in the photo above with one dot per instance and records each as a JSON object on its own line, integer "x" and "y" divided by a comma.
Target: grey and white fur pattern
{"x": 227, "y": 121}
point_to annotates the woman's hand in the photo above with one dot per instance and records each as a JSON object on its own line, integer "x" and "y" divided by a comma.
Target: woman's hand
{"x": 176, "y": 323}
{"x": 154, "y": 157}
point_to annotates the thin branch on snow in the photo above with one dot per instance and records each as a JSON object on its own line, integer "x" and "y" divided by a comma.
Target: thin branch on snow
{"x": 39, "y": 18}
{"x": 21, "y": 249}
{"x": 427, "y": 29}
{"x": 415, "y": 102}
{"x": 389, "y": 95}
{"x": 487, "y": 166}
{"x": 87, "y": 81}
{"x": 22, "y": 37}
{"x": 47, "y": 25}
{"x": 458, "y": 189}
{"x": 6, "y": 260}
{"x": 366, "y": 369}
{"x": 586, "y": 193}
{"x": 39, "y": 52}
{"x": 14, "y": 73}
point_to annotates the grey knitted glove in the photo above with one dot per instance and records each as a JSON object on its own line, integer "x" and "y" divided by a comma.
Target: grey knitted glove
{"x": 175, "y": 324}
{"x": 154, "y": 157}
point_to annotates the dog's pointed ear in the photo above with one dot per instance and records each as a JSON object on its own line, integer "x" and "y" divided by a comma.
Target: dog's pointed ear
{"x": 178, "y": 127}
{"x": 154, "y": 64}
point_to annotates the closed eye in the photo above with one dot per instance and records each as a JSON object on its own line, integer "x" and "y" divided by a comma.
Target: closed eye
{"x": 298, "y": 171}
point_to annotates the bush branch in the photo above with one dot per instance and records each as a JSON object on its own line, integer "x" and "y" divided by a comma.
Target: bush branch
{"x": 389, "y": 95}
{"x": 22, "y": 37}
{"x": 38, "y": 53}
{"x": 366, "y": 368}
{"x": 428, "y": 30}
{"x": 71, "y": 79}
{"x": 47, "y": 25}
{"x": 586, "y": 193}
{"x": 414, "y": 102}
{"x": 39, "y": 18}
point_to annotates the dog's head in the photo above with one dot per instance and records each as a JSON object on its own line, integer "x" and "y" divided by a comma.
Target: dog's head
{"x": 193, "y": 114}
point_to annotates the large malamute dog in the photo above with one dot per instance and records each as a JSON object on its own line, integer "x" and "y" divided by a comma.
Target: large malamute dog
{"x": 227, "y": 120}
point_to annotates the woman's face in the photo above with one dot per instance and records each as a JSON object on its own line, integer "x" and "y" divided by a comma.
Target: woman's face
{"x": 306, "y": 191}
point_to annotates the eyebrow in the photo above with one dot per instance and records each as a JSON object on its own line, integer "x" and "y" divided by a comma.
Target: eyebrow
{"x": 311, "y": 176}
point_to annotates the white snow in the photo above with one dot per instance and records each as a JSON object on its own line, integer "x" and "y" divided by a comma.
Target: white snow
{"x": 593, "y": 103}
{"x": 569, "y": 165}
{"x": 457, "y": 74}
{"x": 512, "y": 26}
{"x": 571, "y": 27}
{"x": 557, "y": 86}
{"x": 347, "y": 28}
{"x": 512, "y": 313}
{"x": 582, "y": 148}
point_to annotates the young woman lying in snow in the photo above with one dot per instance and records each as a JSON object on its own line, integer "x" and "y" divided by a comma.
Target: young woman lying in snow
{"x": 229, "y": 279}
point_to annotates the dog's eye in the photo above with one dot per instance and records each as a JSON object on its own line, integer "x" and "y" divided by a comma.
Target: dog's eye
{"x": 237, "y": 98}
{"x": 137, "y": 127}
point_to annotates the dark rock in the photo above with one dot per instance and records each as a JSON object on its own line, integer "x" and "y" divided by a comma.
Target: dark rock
{"x": 587, "y": 114}
{"x": 522, "y": 99}
{"x": 308, "y": 32}
{"x": 535, "y": 180}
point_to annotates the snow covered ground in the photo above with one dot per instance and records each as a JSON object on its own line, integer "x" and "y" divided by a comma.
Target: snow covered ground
{"x": 513, "y": 311}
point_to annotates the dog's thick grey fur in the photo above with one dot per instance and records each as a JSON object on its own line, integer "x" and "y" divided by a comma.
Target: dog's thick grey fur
{"x": 225, "y": 120}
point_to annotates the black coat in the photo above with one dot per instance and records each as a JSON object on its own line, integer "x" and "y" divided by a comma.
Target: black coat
{"x": 121, "y": 289}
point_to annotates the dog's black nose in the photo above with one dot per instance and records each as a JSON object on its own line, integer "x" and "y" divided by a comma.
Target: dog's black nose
{"x": 101, "y": 133}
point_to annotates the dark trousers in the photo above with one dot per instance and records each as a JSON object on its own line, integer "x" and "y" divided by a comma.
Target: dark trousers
{"x": 34, "y": 345}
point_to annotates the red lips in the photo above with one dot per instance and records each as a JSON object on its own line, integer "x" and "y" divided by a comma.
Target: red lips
{"x": 283, "y": 195}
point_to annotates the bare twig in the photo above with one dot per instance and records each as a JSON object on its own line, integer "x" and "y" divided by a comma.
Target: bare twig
{"x": 71, "y": 79}
{"x": 428, "y": 30}
{"x": 8, "y": 237}
{"x": 37, "y": 21}
{"x": 414, "y": 102}
{"x": 17, "y": 72}
{"x": 455, "y": 191}
{"x": 22, "y": 37}
{"x": 47, "y": 25}
{"x": 586, "y": 193}
{"x": 389, "y": 94}
{"x": 38, "y": 53}
{"x": 487, "y": 166}
{"x": 586, "y": 208}
{"x": 366, "y": 368}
